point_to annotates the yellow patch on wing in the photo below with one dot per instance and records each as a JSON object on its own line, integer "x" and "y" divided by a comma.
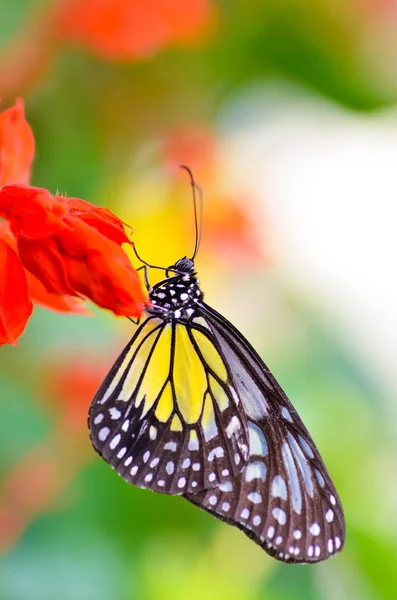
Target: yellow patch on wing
{"x": 176, "y": 424}
{"x": 189, "y": 377}
{"x": 157, "y": 371}
{"x": 166, "y": 405}
{"x": 139, "y": 362}
{"x": 210, "y": 354}
{"x": 219, "y": 393}
{"x": 208, "y": 422}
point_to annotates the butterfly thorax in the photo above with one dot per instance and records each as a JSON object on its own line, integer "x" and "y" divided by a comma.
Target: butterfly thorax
{"x": 176, "y": 296}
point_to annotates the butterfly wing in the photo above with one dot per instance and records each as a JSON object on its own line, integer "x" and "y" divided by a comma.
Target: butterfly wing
{"x": 166, "y": 417}
{"x": 284, "y": 499}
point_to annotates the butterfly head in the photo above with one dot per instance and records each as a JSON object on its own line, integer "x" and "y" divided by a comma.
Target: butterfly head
{"x": 183, "y": 265}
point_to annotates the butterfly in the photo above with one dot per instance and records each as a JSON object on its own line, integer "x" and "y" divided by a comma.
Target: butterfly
{"x": 189, "y": 408}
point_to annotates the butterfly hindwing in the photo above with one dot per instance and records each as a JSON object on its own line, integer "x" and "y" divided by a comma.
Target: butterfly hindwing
{"x": 284, "y": 499}
{"x": 166, "y": 417}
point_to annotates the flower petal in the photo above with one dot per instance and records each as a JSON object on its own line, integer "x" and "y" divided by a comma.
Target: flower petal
{"x": 126, "y": 29}
{"x": 16, "y": 145}
{"x": 32, "y": 212}
{"x": 101, "y": 218}
{"x": 67, "y": 304}
{"x": 15, "y": 306}
{"x": 100, "y": 270}
{"x": 43, "y": 258}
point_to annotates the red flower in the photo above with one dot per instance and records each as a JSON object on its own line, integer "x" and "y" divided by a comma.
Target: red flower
{"x": 16, "y": 145}
{"x": 125, "y": 29}
{"x": 55, "y": 251}
{"x": 15, "y": 304}
{"x": 73, "y": 247}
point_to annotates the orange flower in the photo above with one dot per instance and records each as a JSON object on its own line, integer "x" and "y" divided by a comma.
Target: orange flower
{"x": 125, "y": 29}
{"x": 16, "y": 145}
{"x": 55, "y": 251}
{"x": 15, "y": 304}
{"x": 73, "y": 247}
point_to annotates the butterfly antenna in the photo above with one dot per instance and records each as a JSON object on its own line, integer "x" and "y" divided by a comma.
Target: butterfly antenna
{"x": 198, "y": 212}
{"x": 144, "y": 261}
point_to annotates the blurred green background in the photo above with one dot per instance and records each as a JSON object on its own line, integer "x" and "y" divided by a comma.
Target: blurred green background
{"x": 286, "y": 112}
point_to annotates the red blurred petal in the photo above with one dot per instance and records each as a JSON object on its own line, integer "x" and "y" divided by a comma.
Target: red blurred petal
{"x": 16, "y": 145}
{"x": 43, "y": 258}
{"x": 230, "y": 232}
{"x": 39, "y": 295}
{"x": 70, "y": 384}
{"x": 99, "y": 269}
{"x": 15, "y": 306}
{"x": 73, "y": 248}
{"x": 32, "y": 212}
{"x": 101, "y": 218}
{"x": 125, "y": 29}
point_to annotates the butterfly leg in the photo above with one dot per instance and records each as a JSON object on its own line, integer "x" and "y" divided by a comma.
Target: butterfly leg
{"x": 146, "y": 276}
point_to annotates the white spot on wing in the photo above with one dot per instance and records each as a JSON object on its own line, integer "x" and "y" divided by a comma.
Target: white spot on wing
{"x": 255, "y": 470}
{"x": 219, "y": 452}
{"x": 245, "y": 513}
{"x": 305, "y": 446}
{"x": 115, "y": 441}
{"x": 279, "y": 489}
{"x": 98, "y": 419}
{"x": 233, "y": 426}
{"x": 170, "y": 446}
{"x": 255, "y": 497}
{"x": 103, "y": 433}
{"x": 329, "y": 515}
{"x": 279, "y": 515}
{"x": 115, "y": 413}
{"x": 292, "y": 478}
{"x": 297, "y": 534}
{"x": 170, "y": 467}
{"x": 226, "y": 487}
{"x": 270, "y": 532}
{"x": 315, "y": 529}
{"x": 319, "y": 477}
{"x": 258, "y": 443}
{"x": 152, "y": 432}
{"x": 302, "y": 463}
{"x": 286, "y": 414}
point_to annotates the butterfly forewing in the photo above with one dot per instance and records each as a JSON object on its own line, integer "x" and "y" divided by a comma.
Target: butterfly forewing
{"x": 284, "y": 499}
{"x": 166, "y": 416}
